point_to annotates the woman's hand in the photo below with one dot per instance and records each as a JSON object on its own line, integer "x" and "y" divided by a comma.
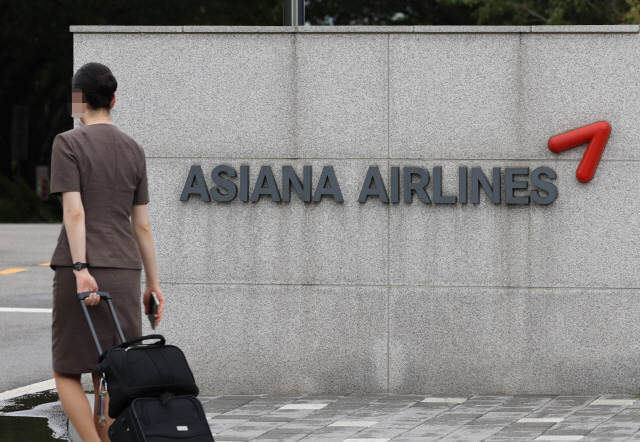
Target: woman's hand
{"x": 86, "y": 283}
{"x": 148, "y": 300}
{"x": 142, "y": 231}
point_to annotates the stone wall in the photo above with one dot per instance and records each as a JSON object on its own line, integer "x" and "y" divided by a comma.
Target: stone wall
{"x": 284, "y": 297}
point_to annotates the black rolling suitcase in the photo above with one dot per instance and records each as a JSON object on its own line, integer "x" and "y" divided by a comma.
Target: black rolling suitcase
{"x": 162, "y": 419}
{"x": 133, "y": 369}
{"x": 151, "y": 388}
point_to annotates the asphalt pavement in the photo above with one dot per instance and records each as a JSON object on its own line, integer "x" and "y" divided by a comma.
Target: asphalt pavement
{"x": 25, "y": 283}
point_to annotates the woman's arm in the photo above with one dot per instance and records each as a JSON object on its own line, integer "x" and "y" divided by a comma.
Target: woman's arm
{"x": 73, "y": 218}
{"x": 142, "y": 231}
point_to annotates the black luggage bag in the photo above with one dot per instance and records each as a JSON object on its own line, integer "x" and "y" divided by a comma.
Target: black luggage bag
{"x": 151, "y": 388}
{"x": 162, "y": 419}
{"x": 133, "y": 369}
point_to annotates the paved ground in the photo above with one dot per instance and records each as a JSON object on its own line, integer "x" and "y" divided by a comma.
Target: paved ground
{"x": 404, "y": 418}
{"x": 25, "y": 358}
{"x": 401, "y": 418}
{"x": 25, "y": 353}
{"x": 25, "y": 247}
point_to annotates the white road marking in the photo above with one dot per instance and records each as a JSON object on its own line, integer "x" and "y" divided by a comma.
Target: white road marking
{"x": 27, "y": 389}
{"x": 24, "y": 310}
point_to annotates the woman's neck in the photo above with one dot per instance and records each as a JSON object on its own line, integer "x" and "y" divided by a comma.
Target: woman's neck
{"x": 95, "y": 117}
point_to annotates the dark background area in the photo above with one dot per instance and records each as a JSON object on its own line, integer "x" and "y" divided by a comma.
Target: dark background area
{"x": 37, "y": 57}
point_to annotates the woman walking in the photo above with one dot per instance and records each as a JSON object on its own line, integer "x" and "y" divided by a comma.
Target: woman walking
{"x": 100, "y": 174}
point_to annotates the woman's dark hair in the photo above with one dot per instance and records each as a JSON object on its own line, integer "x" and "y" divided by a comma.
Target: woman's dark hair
{"x": 97, "y": 83}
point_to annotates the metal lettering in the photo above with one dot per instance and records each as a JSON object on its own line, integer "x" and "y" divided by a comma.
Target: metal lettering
{"x": 373, "y": 178}
{"x": 328, "y": 176}
{"x": 290, "y": 178}
{"x": 266, "y": 174}
{"x": 510, "y": 185}
{"x": 224, "y": 183}
{"x": 437, "y": 189}
{"x": 478, "y": 178}
{"x": 550, "y": 188}
{"x": 200, "y": 188}
{"x": 244, "y": 183}
{"x": 462, "y": 185}
{"x": 419, "y": 187}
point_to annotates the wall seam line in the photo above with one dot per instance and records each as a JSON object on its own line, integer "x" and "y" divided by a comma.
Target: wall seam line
{"x": 409, "y": 286}
{"x": 429, "y": 160}
{"x": 388, "y": 215}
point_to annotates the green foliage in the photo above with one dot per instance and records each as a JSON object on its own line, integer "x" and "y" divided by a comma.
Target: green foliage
{"x": 387, "y": 12}
{"x": 37, "y": 51}
{"x": 550, "y": 12}
{"x": 633, "y": 13}
{"x": 19, "y": 204}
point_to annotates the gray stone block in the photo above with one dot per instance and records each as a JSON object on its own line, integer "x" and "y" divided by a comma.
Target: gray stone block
{"x": 471, "y": 29}
{"x": 485, "y": 298}
{"x": 586, "y": 29}
{"x": 355, "y": 29}
{"x": 109, "y": 29}
{"x": 342, "y": 100}
{"x": 264, "y": 241}
{"x": 583, "y": 29}
{"x": 283, "y": 339}
{"x": 532, "y": 341}
{"x": 446, "y": 101}
{"x": 241, "y": 29}
{"x": 568, "y": 243}
{"x": 569, "y": 81}
{"x": 229, "y": 95}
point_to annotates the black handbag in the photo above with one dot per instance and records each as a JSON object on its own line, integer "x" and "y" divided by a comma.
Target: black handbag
{"x": 162, "y": 419}
{"x": 134, "y": 370}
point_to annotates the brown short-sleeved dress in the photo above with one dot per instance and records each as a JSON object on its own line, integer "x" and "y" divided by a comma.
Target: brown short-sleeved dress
{"x": 108, "y": 168}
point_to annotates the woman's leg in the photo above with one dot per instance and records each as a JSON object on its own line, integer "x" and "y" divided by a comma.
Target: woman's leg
{"x": 76, "y": 405}
{"x": 102, "y": 431}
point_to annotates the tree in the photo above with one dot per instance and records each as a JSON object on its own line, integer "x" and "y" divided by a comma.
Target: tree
{"x": 473, "y": 12}
{"x": 36, "y": 54}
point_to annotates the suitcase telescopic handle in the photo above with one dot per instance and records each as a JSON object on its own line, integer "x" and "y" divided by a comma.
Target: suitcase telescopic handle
{"x": 106, "y": 296}
{"x": 103, "y": 295}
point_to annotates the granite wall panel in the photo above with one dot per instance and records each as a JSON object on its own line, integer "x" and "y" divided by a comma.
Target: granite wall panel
{"x": 242, "y": 339}
{"x": 284, "y": 297}
{"x": 576, "y": 241}
{"x": 341, "y": 104}
{"x": 571, "y": 80}
{"x": 271, "y": 242}
{"x": 447, "y": 102}
{"x": 200, "y": 94}
{"x": 467, "y": 340}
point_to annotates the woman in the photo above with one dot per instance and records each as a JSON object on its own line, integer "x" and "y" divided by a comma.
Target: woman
{"x": 100, "y": 174}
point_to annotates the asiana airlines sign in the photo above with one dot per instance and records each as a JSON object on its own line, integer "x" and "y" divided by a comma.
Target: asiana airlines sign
{"x": 406, "y": 182}
{"x": 403, "y": 184}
